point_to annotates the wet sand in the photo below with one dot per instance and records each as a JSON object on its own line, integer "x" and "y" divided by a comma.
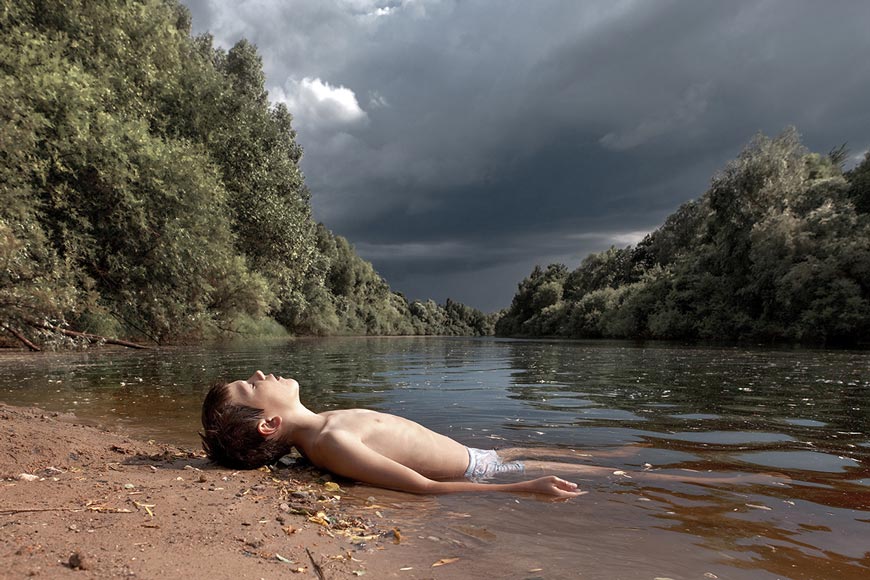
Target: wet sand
{"x": 82, "y": 502}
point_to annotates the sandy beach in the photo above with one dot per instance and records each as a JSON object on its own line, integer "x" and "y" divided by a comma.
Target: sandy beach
{"x": 79, "y": 501}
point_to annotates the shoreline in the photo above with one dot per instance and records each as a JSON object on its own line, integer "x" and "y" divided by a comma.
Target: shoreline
{"x": 84, "y": 502}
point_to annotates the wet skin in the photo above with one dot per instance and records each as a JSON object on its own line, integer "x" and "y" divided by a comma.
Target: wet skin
{"x": 375, "y": 448}
{"x": 393, "y": 452}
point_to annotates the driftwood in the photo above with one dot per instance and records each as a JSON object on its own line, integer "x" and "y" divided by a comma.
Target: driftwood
{"x": 91, "y": 337}
{"x": 22, "y": 338}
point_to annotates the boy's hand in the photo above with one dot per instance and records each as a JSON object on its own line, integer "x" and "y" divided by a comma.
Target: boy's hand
{"x": 556, "y": 486}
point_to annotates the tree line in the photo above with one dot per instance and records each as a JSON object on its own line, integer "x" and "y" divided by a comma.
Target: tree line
{"x": 777, "y": 249}
{"x": 150, "y": 190}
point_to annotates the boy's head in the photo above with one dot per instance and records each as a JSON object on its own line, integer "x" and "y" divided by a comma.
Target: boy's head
{"x": 236, "y": 434}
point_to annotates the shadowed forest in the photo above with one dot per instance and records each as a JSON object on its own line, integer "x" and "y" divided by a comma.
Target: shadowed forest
{"x": 777, "y": 249}
{"x": 151, "y": 191}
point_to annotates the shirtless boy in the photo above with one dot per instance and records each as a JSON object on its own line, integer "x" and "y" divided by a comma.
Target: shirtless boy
{"x": 251, "y": 423}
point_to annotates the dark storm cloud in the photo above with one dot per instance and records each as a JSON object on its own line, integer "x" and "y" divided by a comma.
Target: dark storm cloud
{"x": 456, "y": 144}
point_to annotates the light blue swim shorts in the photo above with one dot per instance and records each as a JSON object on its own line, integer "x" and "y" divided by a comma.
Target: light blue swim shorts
{"x": 485, "y": 463}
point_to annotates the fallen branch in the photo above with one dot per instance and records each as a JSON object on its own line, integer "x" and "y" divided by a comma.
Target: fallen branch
{"x": 89, "y": 336}
{"x": 10, "y": 512}
{"x": 90, "y": 508}
{"x": 131, "y": 324}
{"x": 317, "y": 568}
{"x": 22, "y": 338}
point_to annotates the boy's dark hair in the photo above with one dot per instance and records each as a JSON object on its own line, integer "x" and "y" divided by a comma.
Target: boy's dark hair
{"x": 230, "y": 435}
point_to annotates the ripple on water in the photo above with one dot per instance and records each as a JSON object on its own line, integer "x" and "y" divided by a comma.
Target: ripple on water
{"x": 805, "y": 422}
{"x": 569, "y": 402}
{"x": 802, "y": 460}
{"x": 610, "y": 414}
{"x": 697, "y": 416}
{"x": 661, "y": 457}
{"x": 727, "y": 437}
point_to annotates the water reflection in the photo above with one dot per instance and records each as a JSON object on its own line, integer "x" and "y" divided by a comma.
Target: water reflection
{"x": 803, "y": 416}
{"x": 800, "y": 460}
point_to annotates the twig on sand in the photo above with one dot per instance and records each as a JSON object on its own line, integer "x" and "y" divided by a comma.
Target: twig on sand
{"x": 92, "y": 508}
{"x": 317, "y": 568}
{"x": 10, "y": 512}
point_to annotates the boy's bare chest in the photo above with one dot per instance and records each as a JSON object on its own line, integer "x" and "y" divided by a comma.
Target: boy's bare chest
{"x": 403, "y": 441}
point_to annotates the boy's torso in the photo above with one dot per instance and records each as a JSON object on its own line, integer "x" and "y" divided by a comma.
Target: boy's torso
{"x": 428, "y": 453}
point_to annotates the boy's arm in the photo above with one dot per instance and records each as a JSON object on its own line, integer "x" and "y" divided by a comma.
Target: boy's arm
{"x": 344, "y": 454}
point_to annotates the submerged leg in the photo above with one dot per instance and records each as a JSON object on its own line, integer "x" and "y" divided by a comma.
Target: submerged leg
{"x": 512, "y": 453}
{"x": 534, "y": 467}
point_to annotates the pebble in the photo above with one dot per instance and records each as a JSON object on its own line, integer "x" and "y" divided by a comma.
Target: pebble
{"x": 27, "y": 477}
{"x": 129, "y": 486}
{"x": 78, "y": 561}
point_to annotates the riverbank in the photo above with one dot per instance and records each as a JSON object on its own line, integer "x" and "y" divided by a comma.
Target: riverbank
{"x": 81, "y": 502}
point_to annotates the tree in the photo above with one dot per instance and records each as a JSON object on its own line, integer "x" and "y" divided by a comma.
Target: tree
{"x": 859, "y": 185}
{"x": 777, "y": 249}
{"x": 150, "y": 189}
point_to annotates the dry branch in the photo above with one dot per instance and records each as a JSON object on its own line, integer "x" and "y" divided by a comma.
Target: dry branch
{"x": 318, "y": 569}
{"x": 89, "y": 336}
{"x": 9, "y": 512}
{"x": 22, "y": 338}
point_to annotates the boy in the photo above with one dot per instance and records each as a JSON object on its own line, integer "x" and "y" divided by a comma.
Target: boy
{"x": 250, "y": 423}
{"x": 254, "y": 422}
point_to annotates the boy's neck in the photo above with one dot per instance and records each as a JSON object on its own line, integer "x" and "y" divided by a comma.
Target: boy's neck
{"x": 300, "y": 425}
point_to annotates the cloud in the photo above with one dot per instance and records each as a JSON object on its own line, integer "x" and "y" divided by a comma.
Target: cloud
{"x": 680, "y": 115}
{"x": 449, "y": 138}
{"x": 413, "y": 250}
{"x": 377, "y": 100}
{"x": 383, "y": 11}
{"x": 317, "y": 105}
{"x": 607, "y": 239}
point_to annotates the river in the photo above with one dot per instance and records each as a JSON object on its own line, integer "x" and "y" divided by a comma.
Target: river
{"x": 801, "y": 416}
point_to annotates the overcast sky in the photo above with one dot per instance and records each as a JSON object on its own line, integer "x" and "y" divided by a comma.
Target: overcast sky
{"x": 457, "y": 144}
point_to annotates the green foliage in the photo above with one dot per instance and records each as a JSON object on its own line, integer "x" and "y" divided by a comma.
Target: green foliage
{"x": 354, "y": 299}
{"x": 859, "y": 185}
{"x": 137, "y": 218}
{"x": 542, "y": 289}
{"x": 777, "y": 249}
{"x": 150, "y": 189}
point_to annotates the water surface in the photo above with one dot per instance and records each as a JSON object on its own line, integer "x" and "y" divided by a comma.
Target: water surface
{"x": 801, "y": 416}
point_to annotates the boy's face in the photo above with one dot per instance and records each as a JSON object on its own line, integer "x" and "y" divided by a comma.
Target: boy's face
{"x": 268, "y": 392}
